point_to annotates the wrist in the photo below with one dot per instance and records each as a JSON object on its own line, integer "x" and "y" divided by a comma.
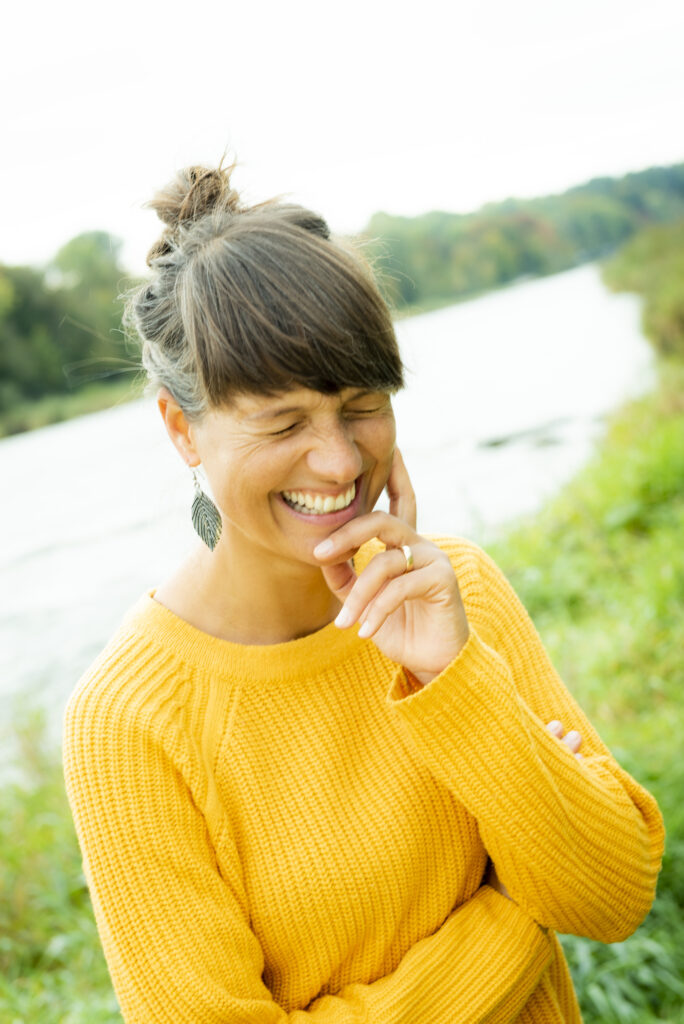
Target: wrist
{"x": 417, "y": 682}
{"x": 418, "y": 678}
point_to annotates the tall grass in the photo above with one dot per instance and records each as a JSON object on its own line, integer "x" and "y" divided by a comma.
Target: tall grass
{"x": 52, "y": 970}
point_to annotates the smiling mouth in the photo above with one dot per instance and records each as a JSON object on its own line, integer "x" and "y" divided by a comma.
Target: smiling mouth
{"x": 319, "y": 504}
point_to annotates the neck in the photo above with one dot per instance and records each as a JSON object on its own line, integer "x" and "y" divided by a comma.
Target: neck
{"x": 238, "y": 595}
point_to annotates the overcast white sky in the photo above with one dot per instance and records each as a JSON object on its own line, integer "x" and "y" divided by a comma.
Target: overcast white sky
{"x": 350, "y": 108}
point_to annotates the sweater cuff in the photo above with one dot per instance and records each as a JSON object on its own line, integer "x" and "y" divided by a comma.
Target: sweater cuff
{"x": 405, "y": 684}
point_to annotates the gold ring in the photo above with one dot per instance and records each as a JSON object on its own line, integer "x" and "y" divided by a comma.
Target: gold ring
{"x": 408, "y": 555}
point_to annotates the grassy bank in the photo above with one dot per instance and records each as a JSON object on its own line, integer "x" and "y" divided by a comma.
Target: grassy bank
{"x": 52, "y": 970}
{"x": 602, "y": 572}
{"x": 55, "y": 408}
{"x": 652, "y": 264}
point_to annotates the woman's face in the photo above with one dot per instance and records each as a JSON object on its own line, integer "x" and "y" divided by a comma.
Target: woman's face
{"x": 286, "y": 471}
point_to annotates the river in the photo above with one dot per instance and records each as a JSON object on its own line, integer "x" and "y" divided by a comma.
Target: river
{"x": 507, "y": 395}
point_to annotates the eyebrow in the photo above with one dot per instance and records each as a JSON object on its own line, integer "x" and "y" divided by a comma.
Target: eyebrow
{"x": 273, "y": 414}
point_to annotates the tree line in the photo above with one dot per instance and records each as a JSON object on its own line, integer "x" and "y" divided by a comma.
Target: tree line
{"x": 60, "y": 325}
{"x": 443, "y": 257}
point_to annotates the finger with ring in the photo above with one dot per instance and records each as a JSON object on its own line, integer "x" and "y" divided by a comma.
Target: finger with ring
{"x": 382, "y": 568}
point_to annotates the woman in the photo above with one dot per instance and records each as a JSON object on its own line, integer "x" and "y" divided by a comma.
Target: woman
{"x": 311, "y": 773}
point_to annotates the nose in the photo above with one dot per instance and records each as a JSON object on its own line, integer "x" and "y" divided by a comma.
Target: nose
{"x": 334, "y": 456}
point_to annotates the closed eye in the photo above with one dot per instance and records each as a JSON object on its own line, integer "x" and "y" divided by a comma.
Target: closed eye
{"x": 285, "y": 430}
{"x": 365, "y": 412}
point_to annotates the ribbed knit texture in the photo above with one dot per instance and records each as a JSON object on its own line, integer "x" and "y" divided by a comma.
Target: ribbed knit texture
{"x": 294, "y": 832}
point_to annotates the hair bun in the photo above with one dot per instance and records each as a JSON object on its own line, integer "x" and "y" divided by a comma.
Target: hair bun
{"x": 194, "y": 192}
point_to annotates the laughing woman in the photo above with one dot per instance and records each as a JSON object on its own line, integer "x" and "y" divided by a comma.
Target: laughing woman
{"x": 325, "y": 770}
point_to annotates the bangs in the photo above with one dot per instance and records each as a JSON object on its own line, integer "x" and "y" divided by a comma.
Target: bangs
{"x": 274, "y": 306}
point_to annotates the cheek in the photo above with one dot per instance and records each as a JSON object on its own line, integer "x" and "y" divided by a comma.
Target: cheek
{"x": 383, "y": 441}
{"x": 226, "y": 480}
{"x": 380, "y": 441}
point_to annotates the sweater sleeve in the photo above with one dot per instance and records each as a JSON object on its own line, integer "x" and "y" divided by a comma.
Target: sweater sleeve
{"x": 175, "y": 929}
{"x": 577, "y": 843}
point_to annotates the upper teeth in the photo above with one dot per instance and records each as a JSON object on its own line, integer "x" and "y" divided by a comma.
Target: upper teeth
{"x": 321, "y": 503}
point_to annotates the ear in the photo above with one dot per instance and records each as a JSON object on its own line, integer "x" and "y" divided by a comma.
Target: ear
{"x": 177, "y": 427}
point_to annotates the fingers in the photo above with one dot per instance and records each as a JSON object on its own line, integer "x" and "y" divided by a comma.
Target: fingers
{"x": 385, "y": 584}
{"x": 346, "y": 540}
{"x": 385, "y": 566}
{"x": 340, "y": 579}
{"x": 402, "y": 497}
{"x": 572, "y": 739}
{"x": 394, "y": 528}
{"x": 415, "y": 584}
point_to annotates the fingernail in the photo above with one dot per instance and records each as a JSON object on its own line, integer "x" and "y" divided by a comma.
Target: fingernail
{"x": 365, "y": 629}
{"x": 553, "y": 726}
{"x": 572, "y": 736}
{"x": 344, "y": 618}
{"x": 323, "y": 549}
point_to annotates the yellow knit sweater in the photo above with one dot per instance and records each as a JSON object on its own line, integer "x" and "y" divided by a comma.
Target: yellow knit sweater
{"x": 287, "y": 833}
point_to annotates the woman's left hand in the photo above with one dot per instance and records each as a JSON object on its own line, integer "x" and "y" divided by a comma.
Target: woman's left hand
{"x": 414, "y": 617}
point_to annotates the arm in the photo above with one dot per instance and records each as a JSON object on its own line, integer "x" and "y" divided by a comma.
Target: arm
{"x": 577, "y": 843}
{"x": 176, "y": 931}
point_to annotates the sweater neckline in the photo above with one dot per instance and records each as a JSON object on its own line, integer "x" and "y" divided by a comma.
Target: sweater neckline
{"x": 287, "y": 661}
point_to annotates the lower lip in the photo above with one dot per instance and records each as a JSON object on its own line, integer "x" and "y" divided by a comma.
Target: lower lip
{"x": 328, "y": 519}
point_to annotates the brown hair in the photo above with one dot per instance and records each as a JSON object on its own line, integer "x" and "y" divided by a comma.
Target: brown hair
{"x": 255, "y": 300}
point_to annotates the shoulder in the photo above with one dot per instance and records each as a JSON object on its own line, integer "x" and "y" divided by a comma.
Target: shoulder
{"x": 133, "y": 684}
{"x": 464, "y": 554}
{"x": 490, "y": 600}
{"x": 476, "y": 570}
{"x": 470, "y": 559}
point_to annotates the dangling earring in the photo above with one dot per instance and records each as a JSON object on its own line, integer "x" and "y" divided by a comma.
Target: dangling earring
{"x": 206, "y": 518}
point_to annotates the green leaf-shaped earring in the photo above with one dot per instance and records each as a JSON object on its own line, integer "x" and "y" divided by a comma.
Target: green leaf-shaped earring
{"x": 206, "y": 518}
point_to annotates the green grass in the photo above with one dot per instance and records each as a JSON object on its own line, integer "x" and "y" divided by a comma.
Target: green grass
{"x": 52, "y": 970}
{"x": 601, "y": 571}
{"x": 55, "y": 408}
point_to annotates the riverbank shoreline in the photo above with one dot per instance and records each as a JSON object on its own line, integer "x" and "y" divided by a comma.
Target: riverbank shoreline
{"x": 50, "y": 409}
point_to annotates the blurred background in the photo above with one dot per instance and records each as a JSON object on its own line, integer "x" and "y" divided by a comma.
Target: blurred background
{"x": 515, "y": 173}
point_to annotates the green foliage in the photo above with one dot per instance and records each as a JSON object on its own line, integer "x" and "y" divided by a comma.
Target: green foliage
{"x": 442, "y": 257}
{"x": 31, "y": 316}
{"x": 652, "y": 264}
{"x": 51, "y": 965}
{"x": 60, "y": 326}
{"x": 601, "y": 571}
{"x": 90, "y": 278}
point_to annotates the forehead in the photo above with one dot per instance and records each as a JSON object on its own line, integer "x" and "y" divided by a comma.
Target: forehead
{"x": 258, "y": 407}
